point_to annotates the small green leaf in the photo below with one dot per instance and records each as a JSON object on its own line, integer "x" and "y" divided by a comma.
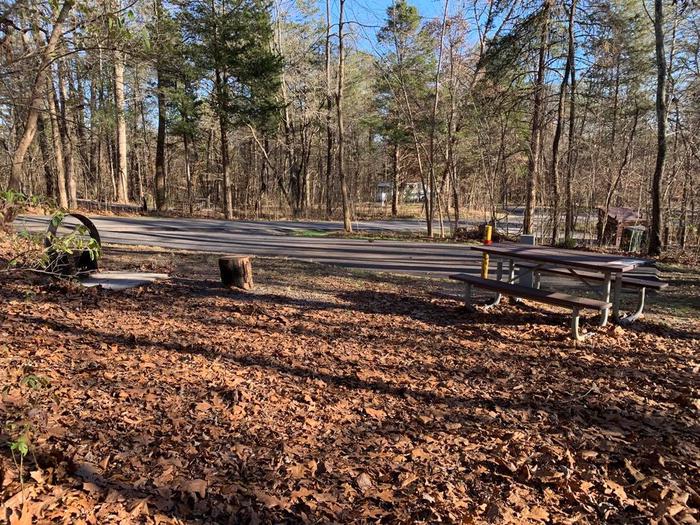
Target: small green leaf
{"x": 21, "y": 446}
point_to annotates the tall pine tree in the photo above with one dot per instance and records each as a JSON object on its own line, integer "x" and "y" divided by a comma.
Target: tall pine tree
{"x": 230, "y": 41}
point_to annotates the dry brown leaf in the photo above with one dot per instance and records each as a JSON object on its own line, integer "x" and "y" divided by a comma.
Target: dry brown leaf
{"x": 296, "y": 471}
{"x": 269, "y": 500}
{"x": 386, "y": 495}
{"x": 617, "y": 489}
{"x": 89, "y": 486}
{"x": 141, "y": 508}
{"x": 419, "y": 453}
{"x": 363, "y": 482}
{"x": 194, "y": 486}
{"x": 638, "y": 476}
{"x": 406, "y": 479}
{"x": 375, "y": 413}
{"x": 38, "y": 476}
{"x": 536, "y": 513}
{"x": 300, "y": 494}
{"x": 26, "y": 517}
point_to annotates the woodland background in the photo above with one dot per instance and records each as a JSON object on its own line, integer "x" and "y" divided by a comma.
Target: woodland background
{"x": 252, "y": 108}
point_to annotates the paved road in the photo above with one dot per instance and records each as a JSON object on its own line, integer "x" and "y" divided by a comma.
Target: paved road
{"x": 270, "y": 238}
{"x": 274, "y": 239}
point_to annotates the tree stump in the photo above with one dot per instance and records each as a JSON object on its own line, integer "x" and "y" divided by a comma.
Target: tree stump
{"x": 236, "y": 270}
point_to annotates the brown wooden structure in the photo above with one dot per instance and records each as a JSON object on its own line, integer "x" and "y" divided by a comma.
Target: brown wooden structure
{"x": 612, "y": 224}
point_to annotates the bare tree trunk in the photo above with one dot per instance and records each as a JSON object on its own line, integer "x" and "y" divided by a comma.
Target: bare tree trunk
{"x": 329, "y": 115}
{"x": 451, "y": 141}
{"x": 111, "y": 164}
{"x": 69, "y": 139}
{"x": 226, "y": 177}
{"x": 347, "y": 222}
{"x": 661, "y": 119}
{"x": 161, "y": 175}
{"x": 432, "y": 186}
{"x": 455, "y": 195}
{"x": 160, "y": 179}
{"x": 122, "y": 174}
{"x": 188, "y": 171}
{"x": 220, "y": 84}
{"x": 683, "y": 220}
{"x": 571, "y": 154}
{"x": 306, "y": 176}
{"x": 533, "y": 163}
{"x": 49, "y": 175}
{"x": 395, "y": 182}
{"x": 147, "y": 161}
{"x": 77, "y": 95}
{"x": 57, "y": 144}
{"x": 30, "y": 124}
{"x": 556, "y": 199}
{"x": 93, "y": 166}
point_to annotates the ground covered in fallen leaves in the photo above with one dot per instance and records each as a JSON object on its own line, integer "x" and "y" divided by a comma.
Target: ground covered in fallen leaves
{"x": 325, "y": 396}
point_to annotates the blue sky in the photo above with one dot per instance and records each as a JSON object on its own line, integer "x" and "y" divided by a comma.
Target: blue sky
{"x": 373, "y": 12}
{"x": 370, "y": 14}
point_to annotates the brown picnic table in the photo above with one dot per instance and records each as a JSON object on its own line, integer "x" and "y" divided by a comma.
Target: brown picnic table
{"x": 586, "y": 267}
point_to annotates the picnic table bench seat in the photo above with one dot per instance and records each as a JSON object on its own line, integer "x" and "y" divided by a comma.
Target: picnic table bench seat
{"x": 641, "y": 284}
{"x": 652, "y": 281}
{"x": 576, "y": 304}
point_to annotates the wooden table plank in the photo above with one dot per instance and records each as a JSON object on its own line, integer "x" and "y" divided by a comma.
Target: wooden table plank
{"x": 571, "y": 258}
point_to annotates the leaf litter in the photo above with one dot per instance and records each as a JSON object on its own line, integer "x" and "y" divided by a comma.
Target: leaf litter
{"x": 326, "y": 396}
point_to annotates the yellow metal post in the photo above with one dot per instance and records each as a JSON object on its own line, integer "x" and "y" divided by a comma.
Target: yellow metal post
{"x": 485, "y": 256}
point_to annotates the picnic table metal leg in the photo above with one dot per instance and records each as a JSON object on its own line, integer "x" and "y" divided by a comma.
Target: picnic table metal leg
{"x": 575, "y": 334}
{"x": 617, "y": 296}
{"x": 511, "y": 278}
{"x": 495, "y": 302}
{"x": 574, "y": 325}
{"x": 606, "y": 297}
{"x": 628, "y": 319}
{"x": 499, "y": 275}
{"x": 468, "y": 297}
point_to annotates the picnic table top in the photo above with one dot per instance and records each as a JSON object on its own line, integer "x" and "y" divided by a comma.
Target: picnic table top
{"x": 598, "y": 262}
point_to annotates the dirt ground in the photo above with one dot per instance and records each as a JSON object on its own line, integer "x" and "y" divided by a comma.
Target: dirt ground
{"x": 329, "y": 396}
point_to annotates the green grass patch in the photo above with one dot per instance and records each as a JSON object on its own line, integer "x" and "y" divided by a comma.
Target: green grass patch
{"x": 309, "y": 233}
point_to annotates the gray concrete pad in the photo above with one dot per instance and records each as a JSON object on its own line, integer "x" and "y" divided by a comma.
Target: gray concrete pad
{"x": 122, "y": 280}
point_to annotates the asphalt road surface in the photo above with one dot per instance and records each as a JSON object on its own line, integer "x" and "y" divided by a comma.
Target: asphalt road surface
{"x": 274, "y": 239}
